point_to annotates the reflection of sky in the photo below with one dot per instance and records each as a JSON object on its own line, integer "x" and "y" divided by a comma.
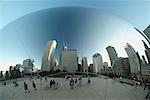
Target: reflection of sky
{"x": 27, "y": 38}
{"x": 134, "y": 11}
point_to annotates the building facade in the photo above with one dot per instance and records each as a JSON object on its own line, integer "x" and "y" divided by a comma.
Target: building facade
{"x": 133, "y": 59}
{"x": 84, "y": 64}
{"x": 97, "y": 63}
{"x": 112, "y": 54}
{"x": 27, "y": 66}
{"x": 47, "y": 60}
{"x": 69, "y": 61}
{"x": 147, "y": 32}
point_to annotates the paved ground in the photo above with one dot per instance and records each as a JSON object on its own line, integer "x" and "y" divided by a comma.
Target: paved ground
{"x": 99, "y": 89}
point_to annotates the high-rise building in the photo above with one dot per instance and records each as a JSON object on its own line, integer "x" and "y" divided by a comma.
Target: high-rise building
{"x": 112, "y": 54}
{"x": 145, "y": 71}
{"x": 90, "y": 68}
{"x": 118, "y": 64}
{"x": 47, "y": 60}
{"x": 69, "y": 60}
{"x": 145, "y": 45}
{"x": 143, "y": 59}
{"x": 147, "y": 32}
{"x": 84, "y": 64}
{"x": 28, "y": 66}
{"x": 126, "y": 67}
{"x": 133, "y": 59}
{"x": 97, "y": 63}
{"x": 147, "y": 51}
{"x": 105, "y": 65}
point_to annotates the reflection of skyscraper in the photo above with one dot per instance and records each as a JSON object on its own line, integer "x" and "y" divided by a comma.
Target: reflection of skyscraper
{"x": 84, "y": 64}
{"x": 105, "y": 65}
{"x": 47, "y": 60}
{"x": 69, "y": 60}
{"x": 112, "y": 54}
{"x": 144, "y": 60}
{"x": 133, "y": 59}
{"x": 147, "y": 51}
{"x": 97, "y": 62}
{"x": 147, "y": 32}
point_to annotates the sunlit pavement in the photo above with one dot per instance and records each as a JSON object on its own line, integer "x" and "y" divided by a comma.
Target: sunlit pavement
{"x": 99, "y": 89}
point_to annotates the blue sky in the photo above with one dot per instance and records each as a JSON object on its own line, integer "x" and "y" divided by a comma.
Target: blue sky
{"x": 136, "y": 12}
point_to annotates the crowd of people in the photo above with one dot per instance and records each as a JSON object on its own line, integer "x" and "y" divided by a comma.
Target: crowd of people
{"x": 73, "y": 81}
{"x": 77, "y": 82}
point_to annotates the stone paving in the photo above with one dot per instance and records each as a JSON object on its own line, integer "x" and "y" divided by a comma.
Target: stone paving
{"x": 99, "y": 89}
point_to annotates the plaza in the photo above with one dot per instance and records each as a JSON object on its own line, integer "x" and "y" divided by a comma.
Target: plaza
{"x": 100, "y": 88}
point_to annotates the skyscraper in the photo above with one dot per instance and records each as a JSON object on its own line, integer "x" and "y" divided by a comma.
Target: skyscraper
{"x": 69, "y": 60}
{"x": 84, "y": 64}
{"x": 147, "y": 32}
{"x": 105, "y": 65}
{"x": 144, "y": 60}
{"x": 133, "y": 59}
{"x": 28, "y": 66}
{"x": 147, "y": 51}
{"x": 47, "y": 60}
{"x": 97, "y": 62}
{"x": 112, "y": 54}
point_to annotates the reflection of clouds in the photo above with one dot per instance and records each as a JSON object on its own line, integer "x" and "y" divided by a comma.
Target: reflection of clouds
{"x": 88, "y": 33}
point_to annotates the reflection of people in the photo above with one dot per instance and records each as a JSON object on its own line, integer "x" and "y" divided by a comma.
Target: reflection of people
{"x": 89, "y": 81}
{"x": 15, "y": 83}
{"x": 76, "y": 80}
{"x": 45, "y": 79}
{"x": 56, "y": 86}
{"x": 80, "y": 81}
{"x": 71, "y": 83}
{"x": 26, "y": 88}
{"x": 34, "y": 85}
{"x": 4, "y": 83}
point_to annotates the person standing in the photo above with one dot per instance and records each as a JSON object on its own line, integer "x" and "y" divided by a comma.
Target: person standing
{"x": 56, "y": 85}
{"x": 71, "y": 83}
{"x": 26, "y": 87}
{"x": 34, "y": 85}
{"x": 45, "y": 79}
{"x": 76, "y": 80}
{"x": 51, "y": 84}
{"x": 80, "y": 81}
{"x": 89, "y": 81}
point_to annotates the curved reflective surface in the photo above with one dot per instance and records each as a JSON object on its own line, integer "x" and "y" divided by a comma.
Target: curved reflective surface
{"x": 86, "y": 29}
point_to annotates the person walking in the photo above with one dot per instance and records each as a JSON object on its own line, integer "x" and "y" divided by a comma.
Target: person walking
{"x": 71, "y": 83}
{"x": 56, "y": 85}
{"x": 89, "y": 81}
{"x": 14, "y": 83}
{"x": 26, "y": 87}
{"x": 51, "y": 82}
{"x": 45, "y": 79}
{"x": 80, "y": 81}
{"x": 34, "y": 85}
{"x": 76, "y": 80}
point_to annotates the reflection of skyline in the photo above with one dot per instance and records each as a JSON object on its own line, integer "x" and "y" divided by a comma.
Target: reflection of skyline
{"x": 87, "y": 30}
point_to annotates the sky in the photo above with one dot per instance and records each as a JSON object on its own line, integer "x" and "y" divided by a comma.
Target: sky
{"x": 137, "y": 13}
